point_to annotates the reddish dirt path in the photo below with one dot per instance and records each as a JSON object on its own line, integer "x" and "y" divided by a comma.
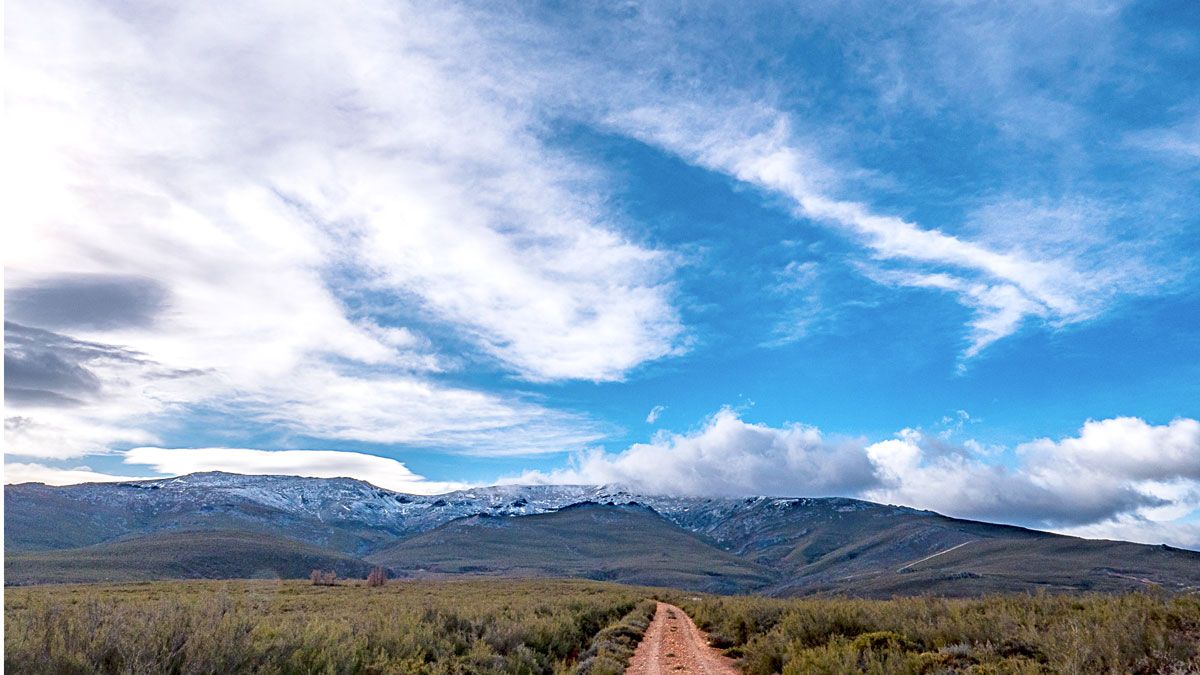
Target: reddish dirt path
{"x": 673, "y": 644}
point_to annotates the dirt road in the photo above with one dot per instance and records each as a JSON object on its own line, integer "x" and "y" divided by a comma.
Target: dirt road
{"x": 931, "y": 557}
{"x": 673, "y": 644}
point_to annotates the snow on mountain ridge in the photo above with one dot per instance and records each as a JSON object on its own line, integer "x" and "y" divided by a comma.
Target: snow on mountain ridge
{"x": 220, "y": 499}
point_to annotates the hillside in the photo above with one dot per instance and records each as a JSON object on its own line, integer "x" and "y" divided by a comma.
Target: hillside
{"x": 629, "y": 544}
{"x": 777, "y": 546}
{"x": 180, "y": 555}
{"x": 1048, "y": 563}
{"x": 342, "y": 514}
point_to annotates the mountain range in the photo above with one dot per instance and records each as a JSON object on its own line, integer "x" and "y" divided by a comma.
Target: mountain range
{"x": 221, "y": 525}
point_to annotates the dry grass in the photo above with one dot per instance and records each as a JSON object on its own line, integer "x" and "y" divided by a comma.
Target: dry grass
{"x": 1136, "y": 633}
{"x": 491, "y": 626}
{"x": 532, "y": 627}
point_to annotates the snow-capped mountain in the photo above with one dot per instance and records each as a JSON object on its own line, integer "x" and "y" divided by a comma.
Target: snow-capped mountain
{"x": 808, "y": 544}
{"x": 344, "y": 503}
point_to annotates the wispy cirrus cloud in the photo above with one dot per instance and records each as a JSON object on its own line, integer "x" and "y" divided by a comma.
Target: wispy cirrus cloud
{"x": 655, "y": 413}
{"x": 1179, "y": 141}
{"x": 222, "y": 203}
{"x": 334, "y": 223}
{"x": 1004, "y": 286}
{"x": 793, "y": 134}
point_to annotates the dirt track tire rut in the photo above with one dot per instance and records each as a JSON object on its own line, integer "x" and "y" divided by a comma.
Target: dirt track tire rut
{"x": 673, "y": 645}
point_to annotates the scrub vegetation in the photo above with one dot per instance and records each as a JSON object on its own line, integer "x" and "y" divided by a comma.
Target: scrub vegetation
{"x": 591, "y": 628}
{"x": 612, "y": 647}
{"x": 492, "y": 626}
{"x": 1134, "y": 633}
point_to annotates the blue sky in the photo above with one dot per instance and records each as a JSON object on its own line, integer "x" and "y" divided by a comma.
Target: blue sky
{"x": 940, "y": 254}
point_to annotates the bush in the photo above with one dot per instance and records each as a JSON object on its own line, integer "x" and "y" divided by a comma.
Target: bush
{"x": 1135, "y": 633}
{"x": 488, "y": 626}
{"x": 377, "y": 577}
{"x": 323, "y": 578}
{"x": 612, "y": 647}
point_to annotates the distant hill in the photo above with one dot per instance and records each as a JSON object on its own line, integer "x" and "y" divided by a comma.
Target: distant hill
{"x": 1051, "y": 563}
{"x": 180, "y": 555}
{"x": 339, "y": 513}
{"x": 627, "y": 543}
{"x": 220, "y": 524}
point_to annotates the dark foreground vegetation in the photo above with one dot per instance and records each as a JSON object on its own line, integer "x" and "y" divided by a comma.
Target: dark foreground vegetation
{"x": 1134, "y": 633}
{"x": 511, "y": 626}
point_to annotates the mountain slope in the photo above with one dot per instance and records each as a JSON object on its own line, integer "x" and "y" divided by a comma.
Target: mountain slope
{"x": 1051, "y": 563}
{"x": 180, "y": 555}
{"x": 627, "y": 543}
{"x": 340, "y": 513}
{"x": 809, "y": 545}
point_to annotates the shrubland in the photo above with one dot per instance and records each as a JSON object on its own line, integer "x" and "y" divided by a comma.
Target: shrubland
{"x": 540, "y": 626}
{"x": 1134, "y": 633}
{"x": 492, "y": 626}
{"x": 613, "y": 646}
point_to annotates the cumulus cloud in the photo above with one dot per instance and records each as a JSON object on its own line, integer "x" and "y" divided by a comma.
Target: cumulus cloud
{"x": 308, "y": 217}
{"x": 1129, "y": 527}
{"x": 382, "y": 471}
{"x": 949, "y": 480}
{"x": 727, "y": 456}
{"x": 1119, "y": 471}
{"x": 1128, "y": 447}
{"x": 1118, "y": 476}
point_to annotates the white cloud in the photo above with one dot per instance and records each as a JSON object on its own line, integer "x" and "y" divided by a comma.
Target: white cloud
{"x": 916, "y": 472}
{"x": 727, "y": 456}
{"x": 1128, "y": 527}
{"x": 1003, "y": 285}
{"x": 22, "y": 472}
{"x": 655, "y": 413}
{"x": 55, "y": 434}
{"x": 1120, "y": 476}
{"x": 168, "y": 462}
{"x": 1127, "y": 447}
{"x": 380, "y": 471}
{"x": 279, "y": 188}
{"x": 324, "y": 403}
{"x": 1181, "y": 140}
{"x": 721, "y": 116}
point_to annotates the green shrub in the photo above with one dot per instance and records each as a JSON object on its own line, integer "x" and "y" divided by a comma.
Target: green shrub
{"x": 1136, "y": 633}
{"x": 612, "y": 647}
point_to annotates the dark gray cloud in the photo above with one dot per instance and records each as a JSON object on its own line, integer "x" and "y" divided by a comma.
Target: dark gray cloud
{"x": 50, "y": 369}
{"x": 97, "y": 301}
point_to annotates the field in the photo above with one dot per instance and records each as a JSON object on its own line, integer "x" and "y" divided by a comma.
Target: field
{"x": 495, "y": 626}
{"x": 1093, "y": 633}
{"x": 510, "y": 626}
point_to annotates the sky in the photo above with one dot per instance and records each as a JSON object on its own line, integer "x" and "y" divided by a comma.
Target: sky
{"x": 939, "y": 254}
